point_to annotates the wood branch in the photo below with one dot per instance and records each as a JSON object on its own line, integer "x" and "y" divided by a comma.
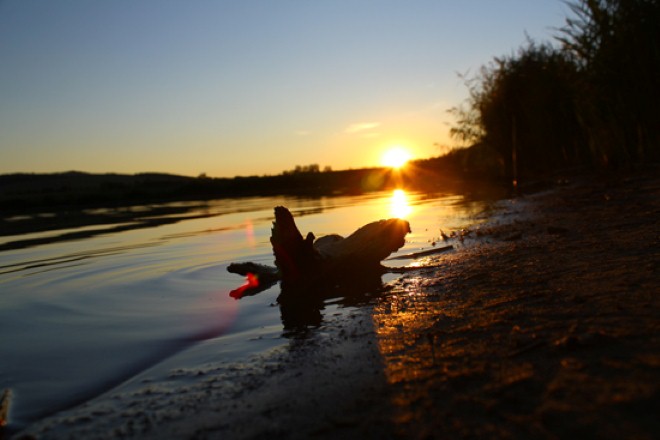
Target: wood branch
{"x": 259, "y": 277}
{"x": 420, "y": 254}
{"x": 295, "y": 257}
{"x": 302, "y": 263}
{"x": 266, "y": 274}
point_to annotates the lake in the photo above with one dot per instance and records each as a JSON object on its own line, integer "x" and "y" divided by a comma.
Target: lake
{"x": 86, "y": 308}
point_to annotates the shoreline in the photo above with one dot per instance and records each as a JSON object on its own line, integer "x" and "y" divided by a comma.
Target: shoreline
{"x": 549, "y": 329}
{"x": 543, "y": 324}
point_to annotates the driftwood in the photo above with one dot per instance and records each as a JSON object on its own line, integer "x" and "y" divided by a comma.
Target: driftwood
{"x": 420, "y": 254}
{"x": 259, "y": 278}
{"x": 308, "y": 261}
{"x": 302, "y": 263}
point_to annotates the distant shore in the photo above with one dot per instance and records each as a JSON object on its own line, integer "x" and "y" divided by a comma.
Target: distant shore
{"x": 542, "y": 324}
{"x": 33, "y": 203}
{"x": 23, "y": 192}
{"x": 74, "y": 190}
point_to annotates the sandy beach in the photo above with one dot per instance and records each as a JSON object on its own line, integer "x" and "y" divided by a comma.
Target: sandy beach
{"x": 543, "y": 323}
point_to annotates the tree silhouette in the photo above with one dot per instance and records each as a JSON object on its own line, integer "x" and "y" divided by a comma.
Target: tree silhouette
{"x": 594, "y": 100}
{"x": 523, "y": 107}
{"x": 616, "y": 44}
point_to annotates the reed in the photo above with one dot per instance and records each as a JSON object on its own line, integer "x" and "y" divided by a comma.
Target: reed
{"x": 592, "y": 99}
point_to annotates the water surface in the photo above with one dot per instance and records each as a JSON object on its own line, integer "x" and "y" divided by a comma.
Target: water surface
{"x": 86, "y": 308}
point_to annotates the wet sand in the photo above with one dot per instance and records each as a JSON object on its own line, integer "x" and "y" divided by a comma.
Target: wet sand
{"x": 544, "y": 323}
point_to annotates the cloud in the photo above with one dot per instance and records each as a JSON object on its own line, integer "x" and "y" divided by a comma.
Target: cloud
{"x": 303, "y": 133}
{"x": 370, "y": 135}
{"x": 361, "y": 126}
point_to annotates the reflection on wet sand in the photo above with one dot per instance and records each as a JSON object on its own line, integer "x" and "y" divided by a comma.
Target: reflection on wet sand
{"x": 403, "y": 320}
{"x": 426, "y": 336}
{"x": 399, "y": 317}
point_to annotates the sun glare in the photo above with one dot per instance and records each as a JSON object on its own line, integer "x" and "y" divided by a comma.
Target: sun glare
{"x": 399, "y": 204}
{"x": 395, "y": 157}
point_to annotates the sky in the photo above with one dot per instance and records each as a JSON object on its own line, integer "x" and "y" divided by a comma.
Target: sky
{"x": 243, "y": 87}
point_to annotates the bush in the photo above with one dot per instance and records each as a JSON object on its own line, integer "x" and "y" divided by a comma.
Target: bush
{"x": 592, "y": 101}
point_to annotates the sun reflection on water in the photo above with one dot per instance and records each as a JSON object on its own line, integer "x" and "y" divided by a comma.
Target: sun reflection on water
{"x": 399, "y": 204}
{"x": 249, "y": 234}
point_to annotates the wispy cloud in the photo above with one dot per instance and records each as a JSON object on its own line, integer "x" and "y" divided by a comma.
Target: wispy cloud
{"x": 371, "y": 134}
{"x": 361, "y": 126}
{"x": 303, "y": 133}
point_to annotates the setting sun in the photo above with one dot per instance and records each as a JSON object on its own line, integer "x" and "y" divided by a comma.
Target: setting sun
{"x": 395, "y": 157}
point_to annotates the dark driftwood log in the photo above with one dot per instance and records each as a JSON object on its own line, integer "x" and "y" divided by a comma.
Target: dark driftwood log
{"x": 306, "y": 262}
{"x": 259, "y": 278}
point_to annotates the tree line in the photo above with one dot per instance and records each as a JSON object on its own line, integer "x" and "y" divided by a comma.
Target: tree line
{"x": 590, "y": 99}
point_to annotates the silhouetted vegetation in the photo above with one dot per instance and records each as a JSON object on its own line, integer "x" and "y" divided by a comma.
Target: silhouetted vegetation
{"x": 593, "y": 101}
{"x": 33, "y": 194}
{"x": 38, "y": 192}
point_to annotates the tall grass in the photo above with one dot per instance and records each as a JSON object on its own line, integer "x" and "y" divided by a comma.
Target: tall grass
{"x": 592, "y": 99}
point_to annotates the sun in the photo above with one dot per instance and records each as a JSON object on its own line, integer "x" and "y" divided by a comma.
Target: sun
{"x": 395, "y": 157}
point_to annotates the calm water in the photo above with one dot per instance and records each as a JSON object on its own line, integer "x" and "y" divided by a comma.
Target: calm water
{"x": 80, "y": 316}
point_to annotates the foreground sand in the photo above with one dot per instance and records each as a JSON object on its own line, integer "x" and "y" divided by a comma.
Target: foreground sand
{"x": 542, "y": 324}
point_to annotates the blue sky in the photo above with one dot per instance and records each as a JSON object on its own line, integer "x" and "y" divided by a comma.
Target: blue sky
{"x": 245, "y": 87}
